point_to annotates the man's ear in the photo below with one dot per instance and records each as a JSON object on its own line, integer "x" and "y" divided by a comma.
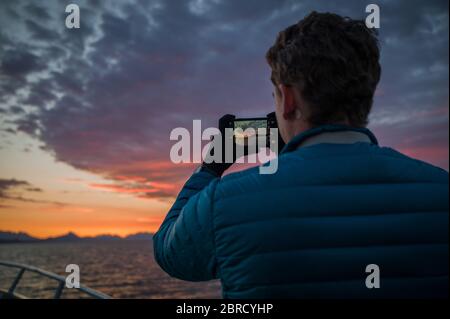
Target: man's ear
{"x": 288, "y": 103}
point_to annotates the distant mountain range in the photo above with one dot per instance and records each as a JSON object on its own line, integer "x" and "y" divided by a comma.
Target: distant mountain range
{"x": 20, "y": 237}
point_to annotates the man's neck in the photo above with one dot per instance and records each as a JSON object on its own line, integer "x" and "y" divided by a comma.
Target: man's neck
{"x": 342, "y": 137}
{"x": 303, "y": 126}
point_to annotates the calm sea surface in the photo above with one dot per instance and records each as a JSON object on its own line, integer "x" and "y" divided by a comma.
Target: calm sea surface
{"x": 121, "y": 269}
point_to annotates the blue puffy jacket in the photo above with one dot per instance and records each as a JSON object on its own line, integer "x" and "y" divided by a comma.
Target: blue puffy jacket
{"x": 311, "y": 229}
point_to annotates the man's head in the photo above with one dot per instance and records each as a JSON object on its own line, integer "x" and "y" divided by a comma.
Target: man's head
{"x": 325, "y": 70}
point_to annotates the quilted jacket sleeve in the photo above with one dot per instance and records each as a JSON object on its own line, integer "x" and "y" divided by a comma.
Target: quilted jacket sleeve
{"x": 184, "y": 244}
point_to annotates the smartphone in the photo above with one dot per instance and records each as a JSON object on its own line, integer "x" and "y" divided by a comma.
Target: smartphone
{"x": 247, "y": 132}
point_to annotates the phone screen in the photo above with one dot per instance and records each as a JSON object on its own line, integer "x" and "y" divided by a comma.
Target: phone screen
{"x": 249, "y": 129}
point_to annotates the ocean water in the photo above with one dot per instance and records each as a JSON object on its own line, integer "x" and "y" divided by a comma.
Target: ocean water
{"x": 121, "y": 269}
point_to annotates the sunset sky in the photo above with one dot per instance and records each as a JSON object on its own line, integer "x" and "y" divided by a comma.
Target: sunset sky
{"x": 86, "y": 114}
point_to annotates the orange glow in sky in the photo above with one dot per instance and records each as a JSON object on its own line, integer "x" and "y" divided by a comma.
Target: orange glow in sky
{"x": 71, "y": 199}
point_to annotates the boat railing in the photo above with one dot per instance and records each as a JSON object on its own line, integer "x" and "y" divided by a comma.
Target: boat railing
{"x": 60, "y": 279}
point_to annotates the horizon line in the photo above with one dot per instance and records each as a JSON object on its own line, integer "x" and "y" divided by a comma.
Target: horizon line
{"x": 74, "y": 233}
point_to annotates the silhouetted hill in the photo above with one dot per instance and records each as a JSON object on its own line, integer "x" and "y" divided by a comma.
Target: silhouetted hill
{"x": 67, "y": 237}
{"x": 8, "y": 237}
{"x": 103, "y": 237}
{"x": 139, "y": 236}
{"x": 12, "y": 237}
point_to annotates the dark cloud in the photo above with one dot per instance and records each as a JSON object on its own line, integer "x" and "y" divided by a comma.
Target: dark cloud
{"x": 39, "y": 32}
{"x": 29, "y": 124}
{"x": 42, "y": 93}
{"x": 6, "y": 184}
{"x": 17, "y": 63}
{"x": 114, "y": 89}
{"x": 13, "y": 189}
{"x": 17, "y": 110}
{"x": 11, "y": 185}
{"x": 37, "y": 11}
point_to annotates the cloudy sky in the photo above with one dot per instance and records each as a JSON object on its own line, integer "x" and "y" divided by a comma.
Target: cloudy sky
{"x": 85, "y": 114}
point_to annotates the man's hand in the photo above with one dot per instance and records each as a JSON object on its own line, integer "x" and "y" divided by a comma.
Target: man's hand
{"x": 226, "y": 122}
{"x": 219, "y": 168}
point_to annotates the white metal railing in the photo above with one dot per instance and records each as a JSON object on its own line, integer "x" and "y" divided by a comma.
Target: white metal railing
{"x": 60, "y": 279}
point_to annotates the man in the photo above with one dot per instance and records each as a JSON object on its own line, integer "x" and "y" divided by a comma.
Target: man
{"x": 338, "y": 201}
